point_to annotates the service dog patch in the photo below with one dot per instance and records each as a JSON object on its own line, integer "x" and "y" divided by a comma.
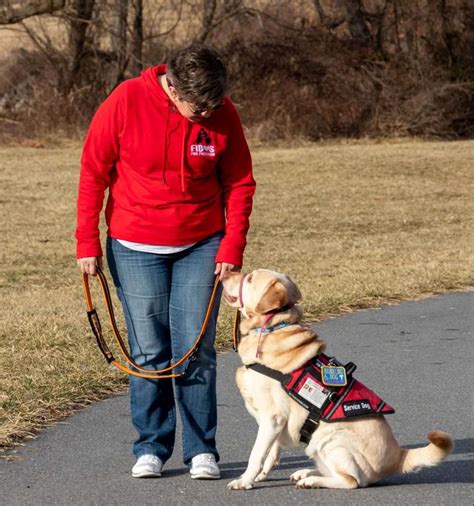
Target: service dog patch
{"x": 357, "y": 408}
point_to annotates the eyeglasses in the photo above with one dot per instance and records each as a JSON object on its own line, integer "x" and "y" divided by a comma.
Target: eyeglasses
{"x": 205, "y": 108}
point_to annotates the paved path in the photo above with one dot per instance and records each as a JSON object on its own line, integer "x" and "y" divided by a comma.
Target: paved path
{"x": 416, "y": 355}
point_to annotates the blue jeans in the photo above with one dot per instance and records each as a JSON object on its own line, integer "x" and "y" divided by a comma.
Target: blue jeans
{"x": 164, "y": 299}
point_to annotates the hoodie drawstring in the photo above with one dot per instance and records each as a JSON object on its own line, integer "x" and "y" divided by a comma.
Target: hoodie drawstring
{"x": 183, "y": 154}
{"x": 165, "y": 150}
{"x": 160, "y": 99}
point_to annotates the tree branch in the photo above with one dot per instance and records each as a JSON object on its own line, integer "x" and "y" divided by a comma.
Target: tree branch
{"x": 14, "y": 12}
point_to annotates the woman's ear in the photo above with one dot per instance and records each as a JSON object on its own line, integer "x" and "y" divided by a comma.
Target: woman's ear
{"x": 173, "y": 93}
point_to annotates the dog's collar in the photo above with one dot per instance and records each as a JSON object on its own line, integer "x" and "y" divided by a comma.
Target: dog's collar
{"x": 266, "y": 330}
{"x": 272, "y": 328}
{"x": 263, "y": 329}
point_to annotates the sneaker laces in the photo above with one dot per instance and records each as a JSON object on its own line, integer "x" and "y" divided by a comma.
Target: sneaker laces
{"x": 149, "y": 459}
{"x": 206, "y": 459}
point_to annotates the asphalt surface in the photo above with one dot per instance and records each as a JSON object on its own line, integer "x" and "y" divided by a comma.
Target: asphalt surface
{"x": 417, "y": 355}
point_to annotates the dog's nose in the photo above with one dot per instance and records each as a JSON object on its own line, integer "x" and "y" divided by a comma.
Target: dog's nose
{"x": 229, "y": 274}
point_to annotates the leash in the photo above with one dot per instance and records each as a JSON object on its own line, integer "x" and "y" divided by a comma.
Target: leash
{"x": 236, "y": 331}
{"x": 237, "y": 317}
{"x": 101, "y": 342}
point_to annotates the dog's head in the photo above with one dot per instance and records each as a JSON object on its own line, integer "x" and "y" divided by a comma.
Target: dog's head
{"x": 260, "y": 291}
{"x": 257, "y": 294}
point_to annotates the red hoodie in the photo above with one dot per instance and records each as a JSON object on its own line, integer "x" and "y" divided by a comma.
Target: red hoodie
{"x": 171, "y": 181}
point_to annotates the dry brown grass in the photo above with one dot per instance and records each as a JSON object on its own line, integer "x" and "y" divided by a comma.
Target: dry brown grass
{"x": 360, "y": 222}
{"x": 354, "y": 224}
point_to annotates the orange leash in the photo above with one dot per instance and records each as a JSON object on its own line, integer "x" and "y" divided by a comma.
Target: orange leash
{"x": 101, "y": 342}
{"x": 236, "y": 330}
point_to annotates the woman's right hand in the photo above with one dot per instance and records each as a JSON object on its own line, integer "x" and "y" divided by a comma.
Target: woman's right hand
{"x": 89, "y": 264}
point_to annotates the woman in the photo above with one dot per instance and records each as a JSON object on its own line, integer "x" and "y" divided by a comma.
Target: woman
{"x": 170, "y": 148}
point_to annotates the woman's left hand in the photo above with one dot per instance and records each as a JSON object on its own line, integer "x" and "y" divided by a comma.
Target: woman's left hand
{"x": 223, "y": 267}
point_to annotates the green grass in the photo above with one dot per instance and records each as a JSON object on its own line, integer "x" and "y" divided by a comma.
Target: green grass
{"x": 354, "y": 224}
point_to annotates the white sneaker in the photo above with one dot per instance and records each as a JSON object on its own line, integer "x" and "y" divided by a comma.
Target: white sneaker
{"x": 147, "y": 466}
{"x": 204, "y": 467}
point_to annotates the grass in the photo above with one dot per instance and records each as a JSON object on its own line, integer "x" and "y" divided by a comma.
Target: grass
{"x": 354, "y": 224}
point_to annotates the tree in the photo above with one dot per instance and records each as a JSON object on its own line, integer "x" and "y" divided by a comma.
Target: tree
{"x": 118, "y": 37}
{"x": 336, "y": 12}
{"x": 79, "y": 21}
{"x": 137, "y": 40}
{"x": 211, "y": 18}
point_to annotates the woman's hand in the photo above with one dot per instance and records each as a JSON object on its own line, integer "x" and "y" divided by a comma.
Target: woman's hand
{"x": 223, "y": 267}
{"x": 89, "y": 264}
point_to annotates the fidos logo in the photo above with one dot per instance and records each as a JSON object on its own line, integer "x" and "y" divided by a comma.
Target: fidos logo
{"x": 202, "y": 145}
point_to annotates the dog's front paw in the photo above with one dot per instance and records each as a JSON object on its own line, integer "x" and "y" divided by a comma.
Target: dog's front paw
{"x": 262, "y": 476}
{"x": 240, "y": 484}
{"x": 299, "y": 475}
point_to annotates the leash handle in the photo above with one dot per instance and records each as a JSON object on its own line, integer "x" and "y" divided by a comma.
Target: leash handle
{"x": 102, "y": 344}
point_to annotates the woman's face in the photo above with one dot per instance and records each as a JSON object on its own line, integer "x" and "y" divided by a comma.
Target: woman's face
{"x": 188, "y": 110}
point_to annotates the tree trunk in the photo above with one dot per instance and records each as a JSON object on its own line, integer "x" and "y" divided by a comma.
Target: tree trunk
{"x": 119, "y": 37}
{"x": 330, "y": 18}
{"x": 334, "y": 13}
{"x": 357, "y": 24}
{"x": 137, "y": 63}
{"x": 209, "y": 12}
{"x": 13, "y": 12}
{"x": 82, "y": 15}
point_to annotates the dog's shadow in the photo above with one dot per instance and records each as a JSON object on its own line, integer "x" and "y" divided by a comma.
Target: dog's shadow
{"x": 235, "y": 469}
{"x": 453, "y": 470}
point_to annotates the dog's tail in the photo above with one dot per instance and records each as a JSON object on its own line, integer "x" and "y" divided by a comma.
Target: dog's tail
{"x": 441, "y": 445}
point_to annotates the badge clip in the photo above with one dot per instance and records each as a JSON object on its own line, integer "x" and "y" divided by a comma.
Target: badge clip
{"x": 333, "y": 376}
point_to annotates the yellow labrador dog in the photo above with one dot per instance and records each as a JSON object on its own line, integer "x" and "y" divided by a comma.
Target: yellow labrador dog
{"x": 348, "y": 453}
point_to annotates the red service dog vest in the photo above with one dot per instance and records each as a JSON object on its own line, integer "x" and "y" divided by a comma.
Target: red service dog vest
{"x": 328, "y": 391}
{"x": 335, "y": 403}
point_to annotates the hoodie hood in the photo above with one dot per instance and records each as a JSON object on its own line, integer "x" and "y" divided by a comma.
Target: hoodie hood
{"x": 155, "y": 91}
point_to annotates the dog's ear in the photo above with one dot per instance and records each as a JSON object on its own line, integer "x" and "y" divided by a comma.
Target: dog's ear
{"x": 293, "y": 293}
{"x": 274, "y": 297}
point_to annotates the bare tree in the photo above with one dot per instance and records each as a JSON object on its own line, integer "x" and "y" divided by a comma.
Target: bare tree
{"x": 137, "y": 42}
{"x": 14, "y": 12}
{"x": 211, "y": 18}
{"x": 330, "y": 18}
{"x": 357, "y": 23}
{"x": 336, "y": 12}
{"x": 79, "y": 20}
{"x": 118, "y": 36}
{"x": 209, "y": 12}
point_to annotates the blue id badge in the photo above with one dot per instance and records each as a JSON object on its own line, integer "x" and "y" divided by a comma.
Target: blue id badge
{"x": 333, "y": 376}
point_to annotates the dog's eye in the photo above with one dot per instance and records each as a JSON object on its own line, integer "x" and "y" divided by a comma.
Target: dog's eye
{"x": 249, "y": 278}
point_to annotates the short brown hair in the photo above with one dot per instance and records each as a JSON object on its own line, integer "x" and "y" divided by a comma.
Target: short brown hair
{"x": 199, "y": 75}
